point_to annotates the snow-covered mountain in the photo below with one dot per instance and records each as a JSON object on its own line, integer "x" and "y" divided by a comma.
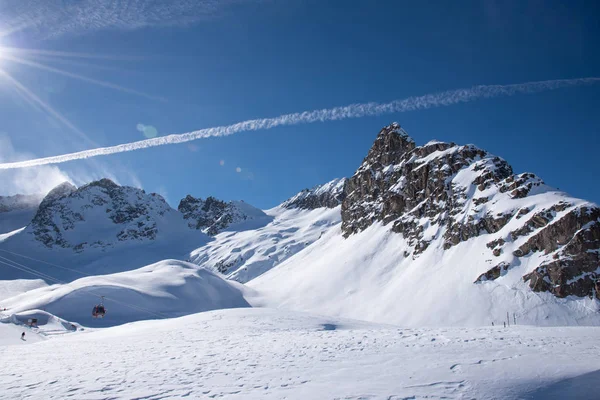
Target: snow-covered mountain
{"x": 329, "y": 195}
{"x": 101, "y": 214}
{"x": 212, "y": 216}
{"x": 439, "y": 234}
{"x": 104, "y": 228}
{"x": 244, "y": 255}
{"x": 451, "y": 193}
{"x": 99, "y": 228}
{"x": 443, "y": 234}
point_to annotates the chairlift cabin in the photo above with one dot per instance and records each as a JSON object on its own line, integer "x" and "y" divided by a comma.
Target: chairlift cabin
{"x": 99, "y": 310}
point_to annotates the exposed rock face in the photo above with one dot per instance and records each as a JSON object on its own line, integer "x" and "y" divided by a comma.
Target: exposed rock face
{"x": 401, "y": 183}
{"x": 329, "y": 195}
{"x": 574, "y": 242}
{"x": 212, "y": 216}
{"x": 451, "y": 194}
{"x": 97, "y": 215}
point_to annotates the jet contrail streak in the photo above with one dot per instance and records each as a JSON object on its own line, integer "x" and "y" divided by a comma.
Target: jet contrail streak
{"x": 440, "y": 99}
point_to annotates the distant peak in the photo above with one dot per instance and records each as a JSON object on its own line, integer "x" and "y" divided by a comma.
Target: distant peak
{"x": 328, "y": 195}
{"x": 60, "y": 191}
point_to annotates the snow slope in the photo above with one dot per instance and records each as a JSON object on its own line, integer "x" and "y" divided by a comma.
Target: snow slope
{"x": 446, "y": 235}
{"x": 368, "y": 277}
{"x": 266, "y": 354}
{"x": 15, "y": 287}
{"x": 244, "y": 254}
{"x": 10, "y": 335}
{"x": 67, "y": 265}
{"x": 169, "y": 288}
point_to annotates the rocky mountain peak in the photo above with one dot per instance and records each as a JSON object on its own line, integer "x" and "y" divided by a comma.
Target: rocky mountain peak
{"x": 71, "y": 217}
{"x": 212, "y": 215}
{"x": 443, "y": 195}
{"x": 328, "y": 195}
{"x": 60, "y": 191}
{"x": 391, "y": 143}
{"x": 104, "y": 183}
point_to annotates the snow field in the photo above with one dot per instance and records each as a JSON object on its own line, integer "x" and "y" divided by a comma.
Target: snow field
{"x": 269, "y": 354}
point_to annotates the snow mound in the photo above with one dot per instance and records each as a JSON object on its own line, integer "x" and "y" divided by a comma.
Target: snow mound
{"x": 166, "y": 289}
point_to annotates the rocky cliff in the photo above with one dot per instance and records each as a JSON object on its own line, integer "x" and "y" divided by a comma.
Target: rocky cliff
{"x": 450, "y": 194}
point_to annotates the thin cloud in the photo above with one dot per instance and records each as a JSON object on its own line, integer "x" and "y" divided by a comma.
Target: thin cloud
{"x": 51, "y": 19}
{"x": 442, "y": 99}
{"x": 40, "y": 180}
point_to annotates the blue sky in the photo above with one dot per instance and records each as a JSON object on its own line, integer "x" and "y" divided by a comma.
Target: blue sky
{"x": 209, "y": 63}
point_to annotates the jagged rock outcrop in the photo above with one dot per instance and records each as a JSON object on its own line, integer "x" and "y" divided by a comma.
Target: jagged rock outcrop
{"x": 212, "y": 216}
{"x": 452, "y": 194}
{"x": 401, "y": 183}
{"x": 574, "y": 242}
{"x": 98, "y": 214}
{"x": 329, "y": 195}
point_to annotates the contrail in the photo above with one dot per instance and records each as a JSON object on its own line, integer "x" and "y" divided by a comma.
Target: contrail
{"x": 440, "y": 99}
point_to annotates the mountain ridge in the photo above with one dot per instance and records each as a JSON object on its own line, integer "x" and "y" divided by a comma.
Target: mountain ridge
{"x": 462, "y": 192}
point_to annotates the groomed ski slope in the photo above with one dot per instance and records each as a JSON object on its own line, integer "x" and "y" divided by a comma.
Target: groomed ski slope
{"x": 268, "y": 354}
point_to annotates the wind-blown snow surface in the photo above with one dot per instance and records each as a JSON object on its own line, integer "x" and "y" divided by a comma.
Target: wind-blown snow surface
{"x": 245, "y": 254}
{"x": 367, "y": 277}
{"x": 165, "y": 289}
{"x": 267, "y": 354}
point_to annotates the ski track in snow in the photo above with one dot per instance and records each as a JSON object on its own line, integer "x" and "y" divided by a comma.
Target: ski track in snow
{"x": 268, "y": 354}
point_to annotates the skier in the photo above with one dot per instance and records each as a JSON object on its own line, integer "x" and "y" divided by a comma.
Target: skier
{"x": 23, "y": 336}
